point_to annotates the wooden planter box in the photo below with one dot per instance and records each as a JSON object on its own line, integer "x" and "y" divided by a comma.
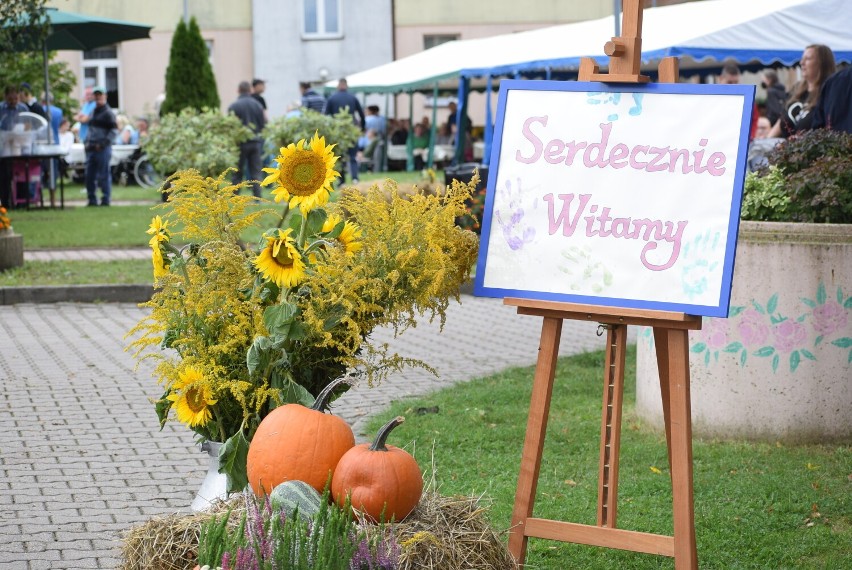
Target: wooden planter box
{"x": 779, "y": 368}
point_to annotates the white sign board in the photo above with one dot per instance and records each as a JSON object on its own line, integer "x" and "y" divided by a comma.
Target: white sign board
{"x": 616, "y": 195}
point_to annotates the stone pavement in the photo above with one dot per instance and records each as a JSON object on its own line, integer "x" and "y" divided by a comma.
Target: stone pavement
{"x": 82, "y": 458}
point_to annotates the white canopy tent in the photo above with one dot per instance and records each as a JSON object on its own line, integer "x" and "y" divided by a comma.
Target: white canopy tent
{"x": 703, "y": 34}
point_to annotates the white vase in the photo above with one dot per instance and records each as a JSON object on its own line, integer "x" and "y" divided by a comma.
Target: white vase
{"x": 215, "y": 485}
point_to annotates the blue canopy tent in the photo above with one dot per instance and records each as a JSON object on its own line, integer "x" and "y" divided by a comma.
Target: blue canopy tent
{"x": 704, "y": 35}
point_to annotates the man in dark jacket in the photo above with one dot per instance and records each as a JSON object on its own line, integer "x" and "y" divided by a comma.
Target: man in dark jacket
{"x": 100, "y": 135}
{"x": 776, "y": 96}
{"x": 834, "y": 107}
{"x": 343, "y": 99}
{"x": 250, "y": 112}
{"x": 310, "y": 98}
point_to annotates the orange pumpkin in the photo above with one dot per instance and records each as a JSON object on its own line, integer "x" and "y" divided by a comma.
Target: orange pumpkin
{"x": 381, "y": 481}
{"x": 295, "y": 443}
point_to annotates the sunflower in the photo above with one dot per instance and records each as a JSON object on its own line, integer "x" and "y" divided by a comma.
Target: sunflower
{"x": 304, "y": 174}
{"x": 349, "y": 238}
{"x": 192, "y": 398}
{"x": 280, "y": 261}
{"x": 161, "y": 268}
{"x": 158, "y": 231}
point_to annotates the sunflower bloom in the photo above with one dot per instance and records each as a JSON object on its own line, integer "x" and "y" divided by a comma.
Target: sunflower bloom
{"x": 280, "y": 261}
{"x": 161, "y": 268}
{"x": 349, "y": 238}
{"x": 304, "y": 174}
{"x": 192, "y": 398}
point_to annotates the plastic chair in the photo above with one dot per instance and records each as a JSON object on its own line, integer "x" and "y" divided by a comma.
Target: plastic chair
{"x": 26, "y": 183}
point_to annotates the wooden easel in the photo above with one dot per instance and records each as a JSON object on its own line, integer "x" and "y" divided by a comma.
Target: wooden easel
{"x": 672, "y": 347}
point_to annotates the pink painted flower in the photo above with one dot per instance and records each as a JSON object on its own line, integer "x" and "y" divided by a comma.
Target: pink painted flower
{"x": 753, "y": 328}
{"x": 715, "y": 333}
{"x": 789, "y": 335}
{"x": 829, "y": 317}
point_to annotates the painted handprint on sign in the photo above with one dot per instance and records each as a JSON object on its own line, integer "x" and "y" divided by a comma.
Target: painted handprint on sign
{"x": 697, "y": 271}
{"x": 613, "y": 102}
{"x": 516, "y": 231}
{"x": 585, "y": 272}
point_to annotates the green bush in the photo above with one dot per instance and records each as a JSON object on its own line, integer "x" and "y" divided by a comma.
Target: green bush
{"x": 206, "y": 141}
{"x": 809, "y": 180}
{"x": 337, "y": 129}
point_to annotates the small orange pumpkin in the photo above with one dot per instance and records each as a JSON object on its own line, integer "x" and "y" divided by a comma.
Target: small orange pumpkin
{"x": 380, "y": 480}
{"x": 295, "y": 443}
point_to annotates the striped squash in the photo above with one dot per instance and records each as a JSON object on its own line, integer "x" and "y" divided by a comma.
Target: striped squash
{"x": 289, "y": 495}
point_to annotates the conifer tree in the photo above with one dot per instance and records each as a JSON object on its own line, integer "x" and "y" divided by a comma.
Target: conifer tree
{"x": 189, "y": 78}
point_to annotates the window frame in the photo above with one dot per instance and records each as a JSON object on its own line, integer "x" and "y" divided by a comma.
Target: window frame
{"x": 322, "y": 21}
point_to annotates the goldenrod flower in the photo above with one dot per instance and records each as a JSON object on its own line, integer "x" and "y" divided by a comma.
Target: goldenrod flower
{"x": 158, "y": 231}
{"x": 192, "y": 398}
{"x": 349, "y": 238}
{"x": 280, "y": 261}
{"x": 304, "y": 174}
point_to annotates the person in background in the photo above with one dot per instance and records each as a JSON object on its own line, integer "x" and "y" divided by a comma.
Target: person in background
{"x": 87, "y": 105}
{"x": 343, "y": 99}
{"x": 66, "y": 141}
{"x": 294, "y": 109}
{"x": 99, "y": 139}
{"x": 9, "y": 110}
{"x": 55, "y": 114}
{"x": 258, "y": 86}
{"x": 28, "y": 99}
{"x": 310, "y": 98}
{"x": 776, "y": 95}
{"x": 375, "y": 121}
{"x": 834, "y": 108}
{"x": 731, "y": 76}
{"x": 126, "y": 133}
{"x": 141, "y": 128}
{"x": 817, "y": 65}
{"x": 252, "y": 115}
{"x": 763, "y": 127}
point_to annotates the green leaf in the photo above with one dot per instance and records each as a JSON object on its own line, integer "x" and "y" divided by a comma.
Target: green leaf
{"x": 335, "y": 315}
{"x": 844, "y": 342}
{"x": 758, "y": 307}
{"x": 772, "y": 303}
{"x": 293, "y": 393}
{"x": 775, "y": 360}
{"x": 734, "y": 347}
{"x": 808, "y": 302}
{"x": 279, "y": 318}
{"x": 818, "y": 340}
{"x": 316, "y": 219}
{"x": 765, "y": 351}
{"x": 807, "y": 354}
{"x": 734, "y": 311}
{"x": 257, "y": 355}
{"x": 698, "y": 347}
{"x": 794, "y": 360}
{"x": 821, "y": 296}
{"x": 743, "y": 357}
{"x": 232, "y": 461}
{"x": 162, "y": 407}
{"x": 335, "y": 231}
{"x": 848, "y": 303}
{"x": 839, "y": 295}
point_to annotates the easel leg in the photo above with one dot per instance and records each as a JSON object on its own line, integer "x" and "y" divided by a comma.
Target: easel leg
{"x": 661, "y": 343}
{"x": 679, "y": 435}
{"x": 551, "y": 332}
{"x": 616, "y": 351}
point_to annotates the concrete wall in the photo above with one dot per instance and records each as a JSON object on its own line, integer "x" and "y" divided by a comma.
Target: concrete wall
{"x": 283, "y": 57}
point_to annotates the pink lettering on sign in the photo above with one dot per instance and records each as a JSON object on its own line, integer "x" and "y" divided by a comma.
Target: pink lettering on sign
{"x": 568, "y": 216}
{"x": 599, "y": 154}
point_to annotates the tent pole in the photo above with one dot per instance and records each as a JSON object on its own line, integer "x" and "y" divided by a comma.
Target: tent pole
{"x": 489, "y": 125}
{"x": 386, "y": 134}
{"x": 461, "y": 109}
{"x": 409, "y": 140}
{"x": 432, "y": 130}
{"x": 47, "y": 92}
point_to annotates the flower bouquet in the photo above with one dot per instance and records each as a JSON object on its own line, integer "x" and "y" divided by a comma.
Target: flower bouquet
{"x": 238, "y": 330}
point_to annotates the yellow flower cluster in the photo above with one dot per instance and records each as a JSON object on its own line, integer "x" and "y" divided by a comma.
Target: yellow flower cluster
{"x": 5, "y": 222}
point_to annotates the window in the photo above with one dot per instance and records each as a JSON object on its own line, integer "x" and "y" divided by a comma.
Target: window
{"x": 432, "y": 40}
{"x": 321, "y": 19}
{"x": 101, "y": 67}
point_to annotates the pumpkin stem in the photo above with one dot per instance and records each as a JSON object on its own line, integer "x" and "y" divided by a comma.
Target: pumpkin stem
{"x": 382, "y": 436}
{"x": 321, "y": 403}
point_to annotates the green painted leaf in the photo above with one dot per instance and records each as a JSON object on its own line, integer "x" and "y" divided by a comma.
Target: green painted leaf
{"x": 707, "y": 358}
{"x": 758, "y": 307}
{"x": 772, "y": 303}
{"x": 807, "y": 354}
{"x": 849, "y": 360}
{"x": 794, "y": 360}
{"x": 775, "y": 360}
{"x": 734, "y": 347}
{"x": 808, "y": 302}
{"x": 734, "y": 311}
{"x": 821, "y": 295}
{"x": 844, "y": 342}
{"x": 765, "y": 351}
{"x": 839, "y": 295}
{"x": 818, "y": 340}
{"x": 743, "y": 357}
{"x": 232, "y": 461}
{"x": 848, "y": 303}
{"x": 698, "y": 347}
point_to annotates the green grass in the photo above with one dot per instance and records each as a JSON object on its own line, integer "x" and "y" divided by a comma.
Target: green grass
{"x": 77, "y": 273}
{"x": 757, "y": 506}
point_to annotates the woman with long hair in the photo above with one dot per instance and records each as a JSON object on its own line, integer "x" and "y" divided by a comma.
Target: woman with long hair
{"x": 817, "y": 64}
